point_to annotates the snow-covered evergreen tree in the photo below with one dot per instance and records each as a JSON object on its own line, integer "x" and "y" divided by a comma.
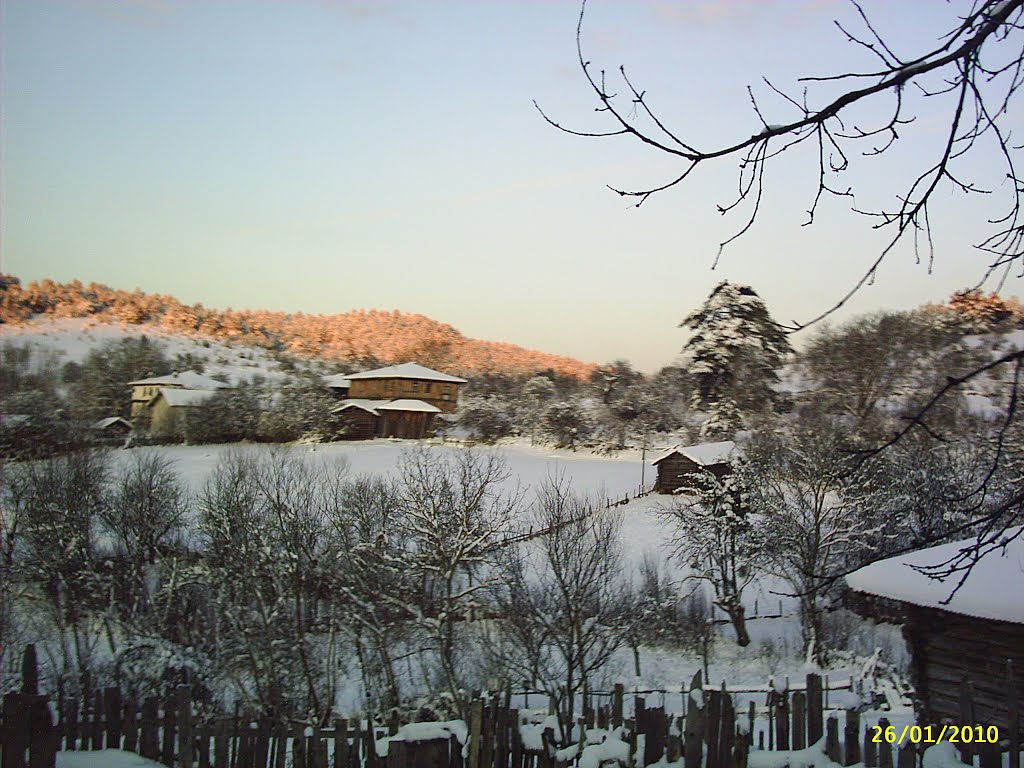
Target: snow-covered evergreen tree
{"x": 717, "y": 541}
{"x": 733, "y": 354}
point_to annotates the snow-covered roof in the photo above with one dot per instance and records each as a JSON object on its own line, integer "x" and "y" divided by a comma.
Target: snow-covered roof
{"x": 185, "y": 397}
{"x": 341, "y": 380}
{"x": 988, "y": 593}
{"x": 373, "y": 406}
{"x": 184, "y": 379}
{"x": 370, "y": 406}
{"x": 407, "y": 371}
{"x": 407, "y": 404}
{"x": 705, "y": 454}
{"x": 110, "y": 421}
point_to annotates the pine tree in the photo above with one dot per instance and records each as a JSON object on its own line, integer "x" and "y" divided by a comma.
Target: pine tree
{"x": 733, "y": 354}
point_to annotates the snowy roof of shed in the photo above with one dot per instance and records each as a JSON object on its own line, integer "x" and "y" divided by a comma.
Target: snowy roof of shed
{"x": 407, "y": 404}
{"x": 705, "y": 454}
{"x": 367, "y": 405}
{"x": 185, "y": 398}
{"x": 110, "y": 421}
{"x": 338, "y": 380}
{"x": 373, "y": 406}
{"x": 407, "y": 371}
{"x": 988, "y": 592}
{"x": 184, "y": 379}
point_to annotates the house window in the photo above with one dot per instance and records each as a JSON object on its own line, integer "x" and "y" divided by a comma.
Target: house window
{"x": 415, "y": 386}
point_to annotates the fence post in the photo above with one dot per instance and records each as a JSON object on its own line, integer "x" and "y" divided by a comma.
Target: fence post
{"x": 712, "y": 724}
{"x": 340, "y": 742}
{"x": 966, "y": 718}
{"x": 799, "y": 720}
{"x": 185, "y": 738}
{"x": 71, "y": 726}
{"x": 832, "y": 739}
{"x": 299, "y": 745}
{"x": 870, "y": 753}
{"x": 617, "y": 705}
{"x": 15, "y": 732}
{"x": 170, "y": 729}
{"x": 693, "y": 730}
{"x": 112, "y": 708}
{"x": 131, "y": 724}
{"x": 220, "y": 744}
{"x": 815, "y": 709}
{"x": 1012, "y": 715}
{"x": 42, "y": 734}
{"x": 782, "y": 721}
{"x": 727, "y": 732}
{"x": 851, "y": 738}
{"x": 884, "y": 750}
{"x": 96, "y": 732}
{"x": 149, "y": 738}
{"x": 476, "y": 716}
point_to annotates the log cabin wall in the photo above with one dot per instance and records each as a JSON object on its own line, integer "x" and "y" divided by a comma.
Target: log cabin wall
{"x": 407, "y": 424}
{"x": 674, "y": 469}
{"x": 441, "y": 394}
{"x": 359, "y": 424}
{"x": 948, "y": 648}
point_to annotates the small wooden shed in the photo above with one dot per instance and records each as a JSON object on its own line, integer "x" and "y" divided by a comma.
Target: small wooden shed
{"x": 973, "y": 633}
{"x": 404, "y": 418}
{"x": 679, "y": 464}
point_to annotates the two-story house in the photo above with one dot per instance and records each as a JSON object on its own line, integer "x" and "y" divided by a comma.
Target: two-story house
{"x": 397, "y": 401}
{"x": 407, "y": 381}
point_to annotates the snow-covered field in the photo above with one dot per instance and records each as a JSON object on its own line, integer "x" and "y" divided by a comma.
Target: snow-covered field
{"x": 774, "y": 650}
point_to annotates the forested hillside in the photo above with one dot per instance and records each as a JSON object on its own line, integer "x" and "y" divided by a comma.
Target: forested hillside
{"x": 362, "y": 338}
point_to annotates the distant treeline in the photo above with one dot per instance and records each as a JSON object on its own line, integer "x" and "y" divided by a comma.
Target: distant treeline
{"x": 362, "y": 338}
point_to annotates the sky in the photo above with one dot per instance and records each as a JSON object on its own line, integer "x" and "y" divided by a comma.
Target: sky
{"x": 328, "y": 155}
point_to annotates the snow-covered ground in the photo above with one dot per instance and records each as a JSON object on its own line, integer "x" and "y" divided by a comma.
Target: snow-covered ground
{"x": 72, "y": 339}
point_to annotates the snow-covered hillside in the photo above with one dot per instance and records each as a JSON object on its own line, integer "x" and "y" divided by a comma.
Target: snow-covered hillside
{"x": 72, "y": 339}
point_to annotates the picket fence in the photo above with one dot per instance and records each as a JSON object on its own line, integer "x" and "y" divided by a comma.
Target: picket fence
{"x": 710, "y": 733}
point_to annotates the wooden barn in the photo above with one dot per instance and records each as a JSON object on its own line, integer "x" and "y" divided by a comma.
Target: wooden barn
{"x": 405, "y": 418}
{"x": 678, "y": 465}
{"x": 976, "y": 635}
{"x": 408, "y": 381}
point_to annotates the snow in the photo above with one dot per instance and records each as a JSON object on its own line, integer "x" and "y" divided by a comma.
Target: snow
{"x": 425, "y": 732}
{"x": 407, "y": 371}
{"x": 370, "y": 406}
{"x": 340, "y": 380}
{"x": 941, "y": 755}
{"x": 407, "y": 404}
{"x": 704, "y": 454}
{"x": 186, "y": 397}
{"x": 986, "y": 593}
{"x": 104, "y": 758}
{"x": 72, "y": 339}
{"x": 184, "y": 379}
{"x": 812, "y": 757}
{"x": 110, "y": 421}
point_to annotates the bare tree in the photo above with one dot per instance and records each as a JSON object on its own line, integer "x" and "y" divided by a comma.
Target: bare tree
{"x": 564, "y": 597}
{"x": 56, "y": 504}
{"x": 263, "y": 521}
{"x": 145, "y": 515}
{"x": 453, "y": 509}
{"x": 813, "y": 529}
{"x": 971, "y": 74}
{"x": 367, "y": 564}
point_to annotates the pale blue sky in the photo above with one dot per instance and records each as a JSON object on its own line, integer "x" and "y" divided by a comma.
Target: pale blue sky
{"x": 326, "y": 156}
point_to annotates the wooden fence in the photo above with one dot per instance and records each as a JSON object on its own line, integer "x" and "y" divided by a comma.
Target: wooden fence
{"x": 708, "y": 733}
